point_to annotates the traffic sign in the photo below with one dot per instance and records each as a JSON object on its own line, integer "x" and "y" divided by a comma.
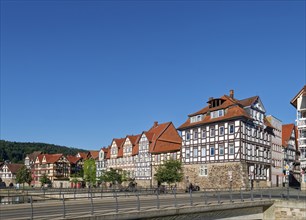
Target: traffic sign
{"x": 287, "y": 173}
{"x": 287, "y": 167}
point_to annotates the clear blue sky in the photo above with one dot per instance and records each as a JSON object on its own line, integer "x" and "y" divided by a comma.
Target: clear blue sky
{"x": 79, "y": 73}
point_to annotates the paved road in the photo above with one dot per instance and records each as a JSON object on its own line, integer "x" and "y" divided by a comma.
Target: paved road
{"x": 70, "y": 207}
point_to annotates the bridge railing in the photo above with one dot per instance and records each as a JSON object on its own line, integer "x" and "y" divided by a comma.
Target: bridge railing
{"x": 154, "y": 198}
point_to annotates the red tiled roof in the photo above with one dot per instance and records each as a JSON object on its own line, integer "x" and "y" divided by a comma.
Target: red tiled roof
{"x": 234, "y": 107}
{"x": 94, "y": 154}
{"x": 14, "y": 167}
{"x": 84, "y": 155}
{"x": 119, "y": 143}
{"x": 165, "y": 138}
{"x": 108, "y": 152}
{"x": 286, "y": 133}
{"x": 73, "y": 159}
{"x": 52, "y": 158}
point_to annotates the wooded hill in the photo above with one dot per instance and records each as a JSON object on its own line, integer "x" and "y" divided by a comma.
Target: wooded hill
{"x": 17, "y": 151}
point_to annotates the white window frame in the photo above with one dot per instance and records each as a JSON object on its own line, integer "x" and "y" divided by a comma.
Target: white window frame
{"x": 231, "y": 127}
{"x": 203, "y": 170}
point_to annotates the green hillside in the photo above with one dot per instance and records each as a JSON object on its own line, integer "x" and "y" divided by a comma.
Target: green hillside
{"x": 16, "y": 151}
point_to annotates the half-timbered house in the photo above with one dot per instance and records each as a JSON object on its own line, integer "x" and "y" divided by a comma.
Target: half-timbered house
{"x": 139, "y": 155}
{"x": 291, "y": 154}
{"x": 55, "y": 166}
{"x": 227, "y": 144}
{"x": 299, "y": 102}
{"x": 277, "y": 153}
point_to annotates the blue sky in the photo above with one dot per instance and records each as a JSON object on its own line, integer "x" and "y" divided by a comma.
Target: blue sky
{"x": 79, "y": 73}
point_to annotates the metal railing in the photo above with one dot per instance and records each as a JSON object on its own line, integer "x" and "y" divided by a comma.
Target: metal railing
{"x": 93, "y": 198}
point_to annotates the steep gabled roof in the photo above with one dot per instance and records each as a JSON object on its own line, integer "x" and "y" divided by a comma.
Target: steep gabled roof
{"x": 83, "y": 155}
{"x": 94, "y": 154}
{"x": 108, "y": 152}
{"x": 248, "y": 101}
{"x": 302, "y": 92}
{"x": 52, "y": 158}
{"x": 73, "y": 159}
{"x": 164, "y": 138}
{"x": 119, "y": 142}
{"x": 14, "y": 167}
{"x": 286, "y": 133}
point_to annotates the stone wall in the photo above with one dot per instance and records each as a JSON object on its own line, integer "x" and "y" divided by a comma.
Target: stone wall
{"x": 218, "y": 176}
{"x": 286, "y": 210}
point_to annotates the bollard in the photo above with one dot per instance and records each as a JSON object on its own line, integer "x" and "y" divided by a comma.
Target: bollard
{"x": 218, "y": 192}
{"x": 298, "y": 196}
{"x": 252, "y": 197}
{"x": 260, "y": 193}
{"x": 157, "y": 199}
{"x": 231, "y": 195}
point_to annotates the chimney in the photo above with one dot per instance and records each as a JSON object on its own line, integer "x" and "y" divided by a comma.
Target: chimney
{"x": 232, "y": 93}
{"x": 210, "y": 98}
{"x": 155, "y": 124}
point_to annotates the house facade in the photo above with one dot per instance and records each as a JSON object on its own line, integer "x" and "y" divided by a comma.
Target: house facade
{"x": 55, "y": 166}
{"x": 102, "y": 162}
{"x": 277, "y": 153}
{"x": 8, "y": 172}
{"x": 139, "y": 155}
{"x": 291, "y": 154}
{"x": 299, "y": 102}
{"x": 227, "y": 144}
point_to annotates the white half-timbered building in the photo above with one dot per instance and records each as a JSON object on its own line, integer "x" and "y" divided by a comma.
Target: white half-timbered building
{"x": 299, "y": 102}
{"x": 227, "y": 144}
{"x": 140, "y": 155}
{"x": 102, "y": 162}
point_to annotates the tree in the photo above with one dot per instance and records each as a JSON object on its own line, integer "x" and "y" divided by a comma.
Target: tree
{"x": 23, "y": 175}
{"x": 112, "y": 176}
{"x": 170, "y": 172}
{"x": 44, "y": 180}
{"x": 90, "y": 171}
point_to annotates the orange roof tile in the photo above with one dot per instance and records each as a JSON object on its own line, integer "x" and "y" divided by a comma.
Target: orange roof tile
{"x": 73, "y": 159}
{"x": 52, "y": 158}
{"x": 14, "y": 167}
{"x": 286, "y": 133}
{"x": 235, "y": 109}
{"x": 94, "y": 154}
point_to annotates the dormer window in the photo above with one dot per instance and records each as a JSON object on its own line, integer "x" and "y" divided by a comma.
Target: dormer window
{"x": 216, "y": 114}
{"x": 196, "y": 118}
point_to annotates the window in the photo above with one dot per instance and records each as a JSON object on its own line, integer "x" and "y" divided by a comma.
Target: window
{"x": 221, "y": 150}
{"x": 212, "y": 151}
{"x": 216, "y": 114}
{"x": 220, "y": 113}
{"x": 203, "y": 170}
{"x": 231, "y": 149}
{"x": 187, "y": 153}
{"x": 195, "y": 152}
{"x": 187, "y": 136}
{"x": 212, "y": 132}
{"x": 203, "y": 133}
{"x": 196, "y": 134}
{"x": 221, "y": 130}
{"x": 203, "y": 151}
{"x": 231, "y": 129}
